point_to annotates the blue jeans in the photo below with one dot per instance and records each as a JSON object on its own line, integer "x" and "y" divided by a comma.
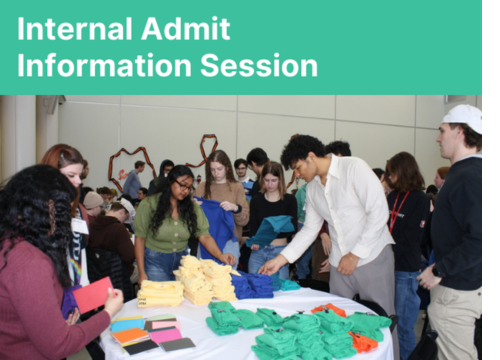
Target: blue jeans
{"x": 407, "y": 304}
{"x": 231, "y": 247}
{"x": 259, "y": 257}
{"x": 160, "y": 266}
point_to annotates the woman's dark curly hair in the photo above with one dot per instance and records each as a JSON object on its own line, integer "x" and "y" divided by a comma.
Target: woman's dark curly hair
{"x": 222, "y": 158}
{"x": 35, "y": 207}
{"x": 299, "y": 148}
{"x": 184, "y": 207}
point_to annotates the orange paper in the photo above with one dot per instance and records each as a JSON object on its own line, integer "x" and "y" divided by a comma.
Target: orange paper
{"x": 130, "y": 335}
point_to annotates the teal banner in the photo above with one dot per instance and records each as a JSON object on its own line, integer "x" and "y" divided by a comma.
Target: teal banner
{"x": 235, "y": 47}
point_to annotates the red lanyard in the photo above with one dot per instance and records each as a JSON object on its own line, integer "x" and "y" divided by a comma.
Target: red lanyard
{"x": 394, "y": 214}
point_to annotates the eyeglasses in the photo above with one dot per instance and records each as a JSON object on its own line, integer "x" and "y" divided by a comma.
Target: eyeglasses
{"x": 184, "y": 187}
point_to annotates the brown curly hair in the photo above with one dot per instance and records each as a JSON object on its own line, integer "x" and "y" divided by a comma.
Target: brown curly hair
{"x": 220, "y": 157}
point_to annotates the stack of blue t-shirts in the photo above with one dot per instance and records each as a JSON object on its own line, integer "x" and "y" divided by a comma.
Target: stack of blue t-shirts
{"x": 261, "y": 284}
{"x": 242, "y": 288}
{"x": 221, "y": 226}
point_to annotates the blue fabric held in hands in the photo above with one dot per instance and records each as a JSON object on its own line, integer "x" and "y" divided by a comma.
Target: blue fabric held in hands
{"x": 221, "y": 226}
{"x": 270, "y": 228}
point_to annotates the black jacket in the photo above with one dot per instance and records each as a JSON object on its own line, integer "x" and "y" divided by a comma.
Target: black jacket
{"x": 408, "y": 228}
{"x": 153, "y": 184}
{"x": 456, "y": 229}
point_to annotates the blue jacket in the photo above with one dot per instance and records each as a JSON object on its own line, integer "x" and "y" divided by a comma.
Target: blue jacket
{"x": 221, "y": 226}
{"x": 132, "y": 184}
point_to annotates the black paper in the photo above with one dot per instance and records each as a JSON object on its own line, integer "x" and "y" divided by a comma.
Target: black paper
{"x": 140, "y": 347}
{"x": 179, "y": 344}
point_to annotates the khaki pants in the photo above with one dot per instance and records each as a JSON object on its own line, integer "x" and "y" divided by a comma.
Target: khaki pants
{"x": 452, "y": 313}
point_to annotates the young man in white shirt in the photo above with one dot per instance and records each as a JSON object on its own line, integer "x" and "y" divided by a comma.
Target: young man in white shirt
{"x": 346, "y": 193}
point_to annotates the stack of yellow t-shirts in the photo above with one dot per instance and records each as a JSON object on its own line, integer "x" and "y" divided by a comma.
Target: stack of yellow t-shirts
{"x": 220, "y": 278}
{"x": 155, "y": 293}
{"x": 196, "y": 288}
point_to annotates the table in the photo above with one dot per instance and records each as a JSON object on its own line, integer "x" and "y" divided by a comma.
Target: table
{"x": 237, "y": 346}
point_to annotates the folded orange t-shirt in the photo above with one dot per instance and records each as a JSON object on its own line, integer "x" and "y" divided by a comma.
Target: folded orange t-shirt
{"x": 362, "y": 343}
{"x": 329, "y": 306}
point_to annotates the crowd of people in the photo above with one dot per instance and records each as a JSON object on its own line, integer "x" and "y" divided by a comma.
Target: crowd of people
{"x": 363, "y": 231}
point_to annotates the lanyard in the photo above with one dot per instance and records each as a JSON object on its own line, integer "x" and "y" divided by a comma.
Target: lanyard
{"x": 394, "y": 214}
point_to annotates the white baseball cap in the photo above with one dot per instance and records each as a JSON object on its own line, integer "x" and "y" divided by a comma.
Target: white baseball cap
{"x": 127, "y": 205}
{"x": 466, "y": 114}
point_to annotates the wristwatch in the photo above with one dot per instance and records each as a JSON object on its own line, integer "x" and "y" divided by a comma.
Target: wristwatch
{"x": 238, "y": 210}
{"x": 436, "y": 272}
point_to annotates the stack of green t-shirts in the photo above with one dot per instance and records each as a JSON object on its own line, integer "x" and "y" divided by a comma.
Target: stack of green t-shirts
{"x": 339, "y": 345}
{"x": 248, "y": 319}
{"x": 270, "y": 317}
{"x": 335, "y": 335}
{"x": 333, "y": 323}
{"x": 276, "y": 343}
{"x": 223, "y": 320}
{"x": 369, "y": 325}
{"x": 321, "y": 355}
{"x": 307, "y": 330}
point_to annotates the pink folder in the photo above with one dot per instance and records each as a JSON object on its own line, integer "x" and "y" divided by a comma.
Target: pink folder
{"x": 165, "y": 335}
{"x": 164, "y": 324}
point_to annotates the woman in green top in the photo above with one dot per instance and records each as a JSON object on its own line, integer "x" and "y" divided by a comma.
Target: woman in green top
{"x": 163, "y": 224}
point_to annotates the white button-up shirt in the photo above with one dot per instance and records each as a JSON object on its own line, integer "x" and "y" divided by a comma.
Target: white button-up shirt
{"x": 353, "y": 204}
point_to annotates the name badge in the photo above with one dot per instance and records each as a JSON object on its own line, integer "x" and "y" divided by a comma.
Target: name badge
{"x": 79, "y": 226}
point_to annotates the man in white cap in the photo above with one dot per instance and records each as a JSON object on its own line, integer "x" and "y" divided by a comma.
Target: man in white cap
{"x": 108, "y": 233}
{"x": 455, "y": 279}
{"x": 93, "y": 204}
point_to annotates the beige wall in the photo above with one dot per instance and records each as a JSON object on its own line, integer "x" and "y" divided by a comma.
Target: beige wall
{"x": 377, "y": 127}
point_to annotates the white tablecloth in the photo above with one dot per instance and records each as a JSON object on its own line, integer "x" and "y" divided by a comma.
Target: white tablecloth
{"x": 237, "y": 346}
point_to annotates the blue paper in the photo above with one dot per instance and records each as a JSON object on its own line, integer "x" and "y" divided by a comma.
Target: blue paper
{"x": 127, "y": 324}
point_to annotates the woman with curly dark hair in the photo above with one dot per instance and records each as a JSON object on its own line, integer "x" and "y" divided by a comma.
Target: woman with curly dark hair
{"x": 409, "y": 209}
{"x": 163, "y": 225}
{"x": 35, "y": 231}
{"x": 220, "y": 185}
{"x": 69, "y": 162}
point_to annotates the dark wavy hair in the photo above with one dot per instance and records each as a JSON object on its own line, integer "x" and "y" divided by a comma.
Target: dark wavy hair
{"x": 338, "y": 148}
{"x": 27, "y": 214}
{"x": 60, "y": 156}
{"x": 472, "y": 138}
{"x": 184, "y": 207}
{"x": 299, "y": 148}
{"x": 405, "y": 167}
{"x": 220, "y": 157}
